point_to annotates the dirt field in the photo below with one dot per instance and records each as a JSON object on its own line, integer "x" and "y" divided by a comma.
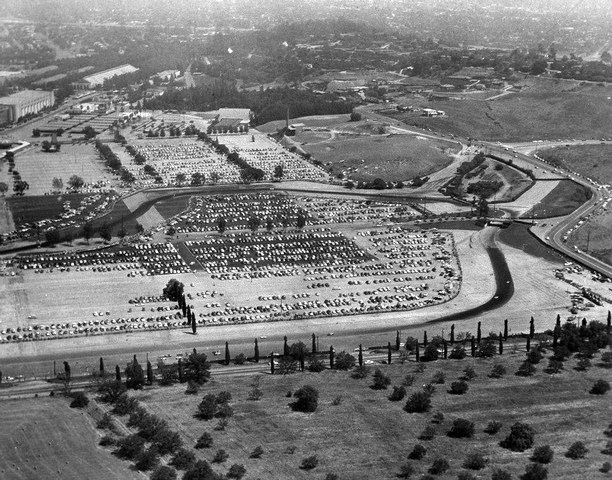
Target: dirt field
{"x": 367, "y": 436}
{"x": 39, "y": 168}
{"x": 44, "y": 439}
{"x": 543, "y": 109}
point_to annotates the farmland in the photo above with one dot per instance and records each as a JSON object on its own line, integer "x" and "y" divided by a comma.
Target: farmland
{"x": 43, "y": 438}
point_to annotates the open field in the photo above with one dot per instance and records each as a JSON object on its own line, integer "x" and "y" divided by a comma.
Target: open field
{"x": 566, "y": 197}
{"x": 593, "y": 236}
{"x": 366, "y": 436}
{"x": 44, "y": 439}
{"x": 311, "y": 121}
{"x": 390, "y": 157}
{"x": 38, "y": 168}
{"x": 591, "y": 161}
{"x": 543, "y": 109}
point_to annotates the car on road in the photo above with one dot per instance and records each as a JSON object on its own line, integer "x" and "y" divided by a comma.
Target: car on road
{"x": 216, "y": 353}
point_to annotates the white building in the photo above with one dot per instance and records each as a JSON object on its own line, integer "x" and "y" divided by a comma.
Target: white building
{"x": 26, "y": 102}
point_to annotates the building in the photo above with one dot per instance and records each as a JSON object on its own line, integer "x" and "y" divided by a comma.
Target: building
{"x": 97, "y": 79}
{"x": 23, "y": 103}
{"x": 242, "y": 114}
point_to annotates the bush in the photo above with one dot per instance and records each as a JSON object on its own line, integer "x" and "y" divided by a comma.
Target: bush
{"x": 183, "y": 459}
{"x": 309, "y": 463}
{"x": 257, "y": 452}
{"x": 535, "y": 471}
{"x": 576, "y": 451}
{"x": 236, "y": 471}
{"x": 408, "y": 380}
{"x": 497, "y": 371}
{"x": 428, "y": 433}
{"x": 307, "y": 399}
{"x": 147, "y": 459}
{"x": 106, "y": 441}
{"x": 163, "y": 473}
{"x": 520, "y": 438}
{"x": 207, "y": 408}
{"x": 129, "y": 447}
{"x": 381, "y": 381}
{"x": 554, "y": 366}
{"x": 461, "y": 428}
{"x": 337, "y": 400}
{"x": 360, "y": 372}
{"x": 459, "y": 387}
{"x": 493, "y": 427}
{"x": 429, "y": 389}
{"x": 606, "y": 467}
{"x": 600, "y": 387}
{"x": 534, "y": 356}
{"x": 220, "y": 456}
{"x": 542, "y": 454}
{"x": 344, "y": 361}
{"x": 475, "y": 461}
{"x": 437, "y": 417}
{"x": 606, "y": 359}
{"x": 419, "y": 402}
{"x": 80, "y": 400}
{"x": 499, "y": 474}
{"x": 205, "y": 441}
{"x": 526, "y": 369}
{"x": 440, "y": 465}
{"x": 583, "y": 365}
{"x": 439, "y": 377}
{"x": 406, "y": 471}
{"x": 316, "y": 366}
{"x": 331, "y": 476}
{"x": 398, "y": 393}
{"x": 457, "y": 353}
{"x": 469, "y": 373}
{"x": 418, "y": 452}
{"x": 608, "y": 448}
{"x": 465, "y": 476}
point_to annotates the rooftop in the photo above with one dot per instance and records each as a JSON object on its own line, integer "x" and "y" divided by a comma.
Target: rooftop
{"x": 23, "y": 96}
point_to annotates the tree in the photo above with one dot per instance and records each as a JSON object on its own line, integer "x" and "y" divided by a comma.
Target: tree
{"x": 163, "y": 472}
{"x": 3, "y": 188}
{"x": 418, "y": 452}
{"x": 227, "y": 354}
{"x": 221, "y": 225}
{"x": 105, "y": 232}
{"x": 167, "y": 441}
{"x": 45, "y": 145}
{"x": 398, "y": 394}
{"x": 87, "y": 231}
{"x": 344, "y": 361}
{"x": 79, "y": 400}
{"x": 173, "y": 290}
{"x": 307, "y": 399}
{"x": 440, "y": 465}
{"x": 76, "y": 182}
{"x": 499, "y": 474}
{"x": 309, "y": 463}
{"x": 526, "y": 369}
{"x": 355, "y": 116}
{"x": 254, "y": 222}
{"x": 381, "y": 381}
{"x": 278, "y": 172}
{"x": 89, "y": 132}
{"x": 180, "y": 178}
{"x": 493, "y": 427}
{"x": 497, "y": 371}
{"x": 135, "y": 377}
{"x": 220, "y": 456}
{"x": 205, "y": 441}
{"x": 542, "y": 454}
{"x": 461, "y": 428}
{"x": 459, "y": 387}
{"x": 147, "y": 459}
{"x": 521, "y": 438}
{"x": 57, "y": 184}
{"x": 457, "y": 353}
{"x": 52, "y": 236}
{"x": 236, "y": 471}
{"x": 207, "y": 408}
{"x": 535, "y": 471}
{"x": 406, "y": 471}
{"x": 475, "y": 461}
{"x": 301, "y": 220}
{"x": 128, "y": 448}
{"x": 419, "y": 402}
{"x": 20, "y": 186}
{"x": 201, "y": 470}
{"x": 197, "y": 179}
{"x": 600, "y": 387}
{"x": 110, "y": 391}
{"x": 257, "y": 452}
{"x": 431, "y": 352}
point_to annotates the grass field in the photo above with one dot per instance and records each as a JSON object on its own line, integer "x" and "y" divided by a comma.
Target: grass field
{"x": 367, "y": 436}
{"x": 543, "y": 109}
{"x": 592, "y": 161}
{"x": 564, "y": 199}
{"x": 392, "y": 157}
{"x": 44, "y": 439}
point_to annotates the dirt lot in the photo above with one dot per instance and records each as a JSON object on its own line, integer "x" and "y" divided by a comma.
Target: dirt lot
{"x": 366, "y": 436}
{"x": 44, "y": 439}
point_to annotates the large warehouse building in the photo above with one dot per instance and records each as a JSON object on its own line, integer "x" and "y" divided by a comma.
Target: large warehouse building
{"x": 97, "y": 79}
{"x": 19, "y": 104}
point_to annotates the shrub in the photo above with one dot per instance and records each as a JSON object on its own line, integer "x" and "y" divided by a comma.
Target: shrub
{"x": 429, "y": 389}
{"x": 535, "y": 471}
{"x": 309, "y": 463}
{"x": 440, "y": 465}
{"x": 307, "y": 399}
{"x": 337, "y": 400}
{"x": 331, "y": 476}
{"x": 236, "y": 471}
{"x": 608, "y": 431}
{"x": 129, "y": 447}
{"x": 465, "y": 476}
{"x": 493, "y": 427}
{"x": 606, "y": 359}
{"x": 240, "y": 359}
{"x": 606, "y": 467}
{"x": 418, "y": 452}
{"x": 344, "y": 361}
{"x": 461, "y": 428}
{"x": 419, "y": 402}
{"x": 408, "y": 380}
{"x": 125, "y": 405}
{"x": 398, "y": 393}
{"x": 469, "y": 373}
{"x": 497, "y": 371}
{"x": 207, "y": 407}
{"x": 147, "y": 459}
{"x": 106, "y": 441}
{"x": 221, "y": 424}
{"x": 220, "y": 456}
{"x": 554, "y": 366}
{"x": 499, "y": 474}
{"x": 576, "y": 451}
{"x": 192, "y": 388}
{"x": 360, "y": 372}
{"x": 457, "y": 353}
{"x": 520, "y": 438}
{"x": 406, "y": 471}
{"x": 183, "y": 459}
{"x": 608, "y": 448}
{"x": 534, "y": 356}
{"x": 526, "y": 369}
{"x": 205, "y": 441}
{"x": 542, "y": 454}
{"x": 459, "y": 387}
{"x": 163, "y": 473}
{"x": 257, "y": 452}
{"x": 106, "y": 422}
{"x": 437, "y": 417}
{"x": 290, "y": 450}
{"x": 583, "y": 365}
{"x": 475, "y": 461}
{"x": 80, "y": 400}
{"x": 223, "y": 397}
{"x": 428, "y": 433}
{"x": 316, "y": 366}
{"x": 600, "y": 387}
{"x": 439, "y": 377}
{"x": 381, "y": 381}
